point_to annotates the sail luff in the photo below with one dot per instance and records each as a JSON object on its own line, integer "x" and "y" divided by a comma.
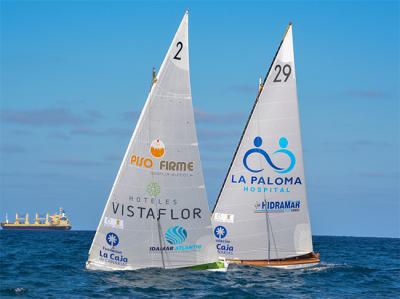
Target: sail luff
{"x": 251, "y": 114}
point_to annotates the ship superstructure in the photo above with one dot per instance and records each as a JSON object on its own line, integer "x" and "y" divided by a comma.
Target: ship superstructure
{"x": 57, "y": 221}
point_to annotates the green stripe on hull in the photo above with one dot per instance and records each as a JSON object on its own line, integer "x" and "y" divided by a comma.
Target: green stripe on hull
{"x": 209, "y": 266}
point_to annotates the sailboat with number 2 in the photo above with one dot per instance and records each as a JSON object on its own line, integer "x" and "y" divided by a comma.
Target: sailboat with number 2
{"x": 157, "y": 213}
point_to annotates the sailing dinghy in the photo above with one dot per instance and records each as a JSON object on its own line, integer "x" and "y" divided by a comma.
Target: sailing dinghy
{"x": 157, "y": 213}
{"x": 261, "y": 214}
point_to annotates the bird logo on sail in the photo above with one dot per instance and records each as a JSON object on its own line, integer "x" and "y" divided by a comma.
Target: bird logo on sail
{"x": 283, "y": 143}
{"x": 176, "y": 235}
{"x": 157, "y": 148}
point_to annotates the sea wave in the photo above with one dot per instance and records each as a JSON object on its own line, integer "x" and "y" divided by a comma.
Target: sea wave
{"x": 48, "y": 264}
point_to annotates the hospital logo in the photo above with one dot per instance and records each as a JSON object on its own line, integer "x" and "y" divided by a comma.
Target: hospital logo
{"x": 257, "y": 150}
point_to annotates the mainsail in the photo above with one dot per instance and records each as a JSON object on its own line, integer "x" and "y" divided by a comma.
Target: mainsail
{"x": 157, "y": 213}
{"x": 261, "y": 212}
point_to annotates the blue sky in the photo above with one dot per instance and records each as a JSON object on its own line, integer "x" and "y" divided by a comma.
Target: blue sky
{"x": 75, "y": 75}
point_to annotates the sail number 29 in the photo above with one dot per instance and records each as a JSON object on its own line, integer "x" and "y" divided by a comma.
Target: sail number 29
{"x": 286, "y": 70}
{"x": 179, "y": 45}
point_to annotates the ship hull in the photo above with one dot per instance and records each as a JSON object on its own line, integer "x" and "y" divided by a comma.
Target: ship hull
{"x": 305, "y": 261}
{"x": 31, "y": 227}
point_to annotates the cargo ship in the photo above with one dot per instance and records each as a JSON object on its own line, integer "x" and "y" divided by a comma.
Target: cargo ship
{"x": 56, "y": 221}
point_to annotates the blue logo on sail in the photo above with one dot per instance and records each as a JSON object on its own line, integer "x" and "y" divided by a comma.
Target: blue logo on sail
{"x": 112, "y": 239}
{"x": 283, "y": 143}
{"x": 176, "y": 235}
{"x": 220, "y": 232}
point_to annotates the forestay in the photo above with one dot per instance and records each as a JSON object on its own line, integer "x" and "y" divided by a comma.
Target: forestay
{"x": 157, "y": 214}
{"x": 261, "y": 212}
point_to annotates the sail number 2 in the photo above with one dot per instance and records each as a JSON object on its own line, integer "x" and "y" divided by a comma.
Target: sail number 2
{"x": 179, "y": 45}
{"x": 286, "y": 70}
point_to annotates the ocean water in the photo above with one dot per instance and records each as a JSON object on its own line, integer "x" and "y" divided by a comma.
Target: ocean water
{"x": 52, "y": 265}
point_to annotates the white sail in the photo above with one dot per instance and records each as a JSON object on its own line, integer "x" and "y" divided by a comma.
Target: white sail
{"x": 261, "y": 212}
{"x": 157, "y": 214}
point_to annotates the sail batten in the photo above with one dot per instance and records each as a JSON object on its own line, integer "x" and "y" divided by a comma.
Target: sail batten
{"x": 264, "y": 195}
{"x": 157, "y": 213}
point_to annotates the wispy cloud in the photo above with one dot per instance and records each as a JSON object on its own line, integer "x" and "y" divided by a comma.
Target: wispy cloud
{"x": 37, "y": 175}
{"x": 218, "y": 146}
{"x": 21, "y": 132}
{"x": 72, "y": 162}
{"x": 113, "y": 157}
{"x": 381, "y": 175}
{"x": 12, "y": 149}
{"x": 366, "y": 94}
{"x": 201, "y": 116}
{"x": 357, "y": 144}
{"x": 215, "y": 134}
{"x": 130, "y": 116}
{"x": 218, "y": 118}
{"x": 94, "y": 114}
{"x": 247, "y": 89}
{"x": 84, "y": 131}
{"x": 58, "y": 135}
{"x": 44, "y": 117}
{"x": 54, "y": 177}
{"x": 370, "y": 143}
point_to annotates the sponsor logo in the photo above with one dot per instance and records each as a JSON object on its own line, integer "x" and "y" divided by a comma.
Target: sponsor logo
{"x": 223, "y": 245}
{"x": 112, "y": 239}
{"x": 173, "y": 213}
{"x": 225, "y": 248}
{"x": 176, "y": 235}
{"x": 283, "y": 143}
{"x": 166, "y": 167}
{"x": 157, "y": 148}
{"x": 112, "y": 255}
{"x": 278, "y": 206}
{"x": 222, "y": 217}
{"x": 220, "y": 232}
{"x": 152, "y": 206}
{"x": 113, "y": 222}
{"x": 268, "y": 184}
{"x": 153, "y": 189}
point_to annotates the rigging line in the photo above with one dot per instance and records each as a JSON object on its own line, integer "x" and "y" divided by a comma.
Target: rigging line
{"x": 251, "y": 113}
{"x": 273, "y": 236}
{"x": 267, "y": 219}
{"x": 159, "y": 228}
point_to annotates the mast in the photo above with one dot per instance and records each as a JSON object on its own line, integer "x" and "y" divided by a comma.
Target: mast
{"x": 260, "y": 89}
